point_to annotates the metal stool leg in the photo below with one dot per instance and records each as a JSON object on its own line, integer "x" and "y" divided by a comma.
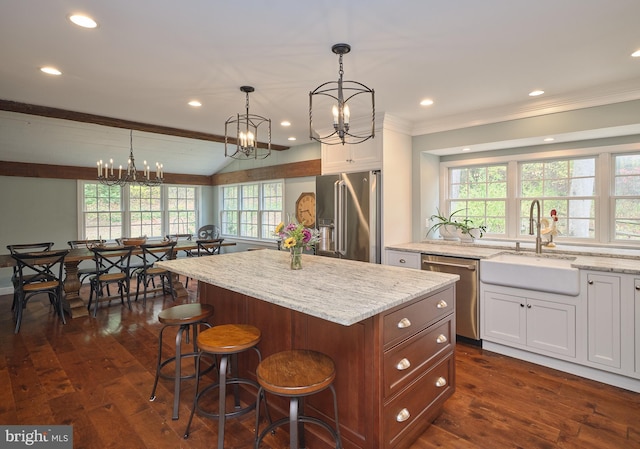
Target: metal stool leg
{"x": 294, "y": 442}
{"x": 178, "y": 380}
{"x": 158, "y": 367}
{"x": 222, "y": 379}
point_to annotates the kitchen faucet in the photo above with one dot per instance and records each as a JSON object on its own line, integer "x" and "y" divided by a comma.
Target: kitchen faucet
{"x": 537, "y": 220}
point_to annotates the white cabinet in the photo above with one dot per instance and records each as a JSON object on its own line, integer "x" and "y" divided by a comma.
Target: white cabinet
{"x": 604, "y": 319}
{"x": 636, "y": 303}
{"x": 528, "y": 320}
{"x": 404, "y": 259}
{"x": 352, "y": 158}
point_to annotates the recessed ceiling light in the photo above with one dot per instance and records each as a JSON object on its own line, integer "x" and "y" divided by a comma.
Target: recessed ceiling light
{"x": 291, "y": 138}
{"x": 83, "y": 21}
{"x": 549, "y": 139}
{"x": 195, "y": 103}
{"x": 535, "y": 93}
{"x": 50, "y": 70}
{"x": 636, "y": 54}
{"x": 426, "y": 102}
{"x": 285, "y": 123}
{"x": 466, "y": 149}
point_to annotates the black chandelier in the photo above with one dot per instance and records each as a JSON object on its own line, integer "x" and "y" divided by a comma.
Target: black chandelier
{"x": 246, "y": 127}
{"x": 342, "y": 94}
{"x": 110, "y": 176}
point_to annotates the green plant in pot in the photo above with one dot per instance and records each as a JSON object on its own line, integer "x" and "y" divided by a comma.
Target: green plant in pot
{"x": 446, "y": 225}
{"x": 468, "y": 230}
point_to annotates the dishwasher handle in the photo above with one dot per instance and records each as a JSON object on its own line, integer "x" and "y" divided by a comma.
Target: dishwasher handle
{"x": 471, "y": 267}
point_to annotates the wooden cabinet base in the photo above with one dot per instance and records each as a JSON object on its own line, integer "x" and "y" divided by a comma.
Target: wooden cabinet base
{"x": 368, "y": 419}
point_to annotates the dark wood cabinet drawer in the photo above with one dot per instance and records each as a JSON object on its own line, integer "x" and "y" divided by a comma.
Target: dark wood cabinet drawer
{"x": 413, "y": 406}
{"x": 411, "y": 319}
{"x": 406, "y": 361}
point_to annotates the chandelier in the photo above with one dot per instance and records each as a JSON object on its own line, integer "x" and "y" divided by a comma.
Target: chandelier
{"x": 110, "y": 176}
{"x": 340, "y": 95}
{"x": 246, "y": 128}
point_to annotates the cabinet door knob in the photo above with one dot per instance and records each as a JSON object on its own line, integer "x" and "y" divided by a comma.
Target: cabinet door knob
{"x": 403, "y": 415}
{"x": 441, "y": 339}
{"x": 441, "y": 382}
{"x": 528, "y": 306}
{"x": 403, "y": 364}
{"x": 404, "y": 323}
{"x": 590, "y": 282}
{"x": 442, "y": 304}
{"x": 521, "y": 305}
{"x": 637, "y": 287}
{"x": 402, "y": 261}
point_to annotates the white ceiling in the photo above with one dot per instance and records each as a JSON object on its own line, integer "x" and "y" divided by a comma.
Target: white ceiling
{"x": 477, "y": 60}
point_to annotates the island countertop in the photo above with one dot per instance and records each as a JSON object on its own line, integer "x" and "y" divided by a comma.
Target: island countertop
{"x": 337, "y": 290}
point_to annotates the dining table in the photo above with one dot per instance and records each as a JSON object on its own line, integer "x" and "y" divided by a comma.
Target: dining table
{"x": 72, "y": 302}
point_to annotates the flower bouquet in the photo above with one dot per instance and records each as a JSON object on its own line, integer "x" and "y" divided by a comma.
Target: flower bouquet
{"x": 296, "y": 237}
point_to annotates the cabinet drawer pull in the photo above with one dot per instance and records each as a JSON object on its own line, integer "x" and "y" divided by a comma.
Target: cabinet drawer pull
{"x": 403, "y": 364}
{"x": 441, "y": 339}
{"x": 403, "y": 415}
{"x": 442, "y": 304}
{"x": 441, "y": 382}
{"x": 402, "y": 261}
{"x": 404, "y": 323}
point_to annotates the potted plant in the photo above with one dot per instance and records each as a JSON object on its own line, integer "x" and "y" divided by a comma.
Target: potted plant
{"x": 446, "y": 225}
{"x": 468, "y": 231}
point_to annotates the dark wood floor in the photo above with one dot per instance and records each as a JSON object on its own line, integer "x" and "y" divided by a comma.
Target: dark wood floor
{"x": 97, "y": 373}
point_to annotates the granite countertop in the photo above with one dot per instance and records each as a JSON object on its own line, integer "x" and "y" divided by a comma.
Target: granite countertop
{"x": 615, "y": 260}
{"x": 337, "y": 290}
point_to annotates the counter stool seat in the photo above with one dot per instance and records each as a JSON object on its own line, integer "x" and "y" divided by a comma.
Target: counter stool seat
{"x": 186, "y": 316}
{"x": 296, "y": 374}
{"x": 225, "y": 341}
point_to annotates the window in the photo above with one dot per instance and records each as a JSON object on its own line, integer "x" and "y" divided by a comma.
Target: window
{"x": 252, "y": 210}
{"x": 626, "y": 196}
{"x": 480, "y": 194}
{"x": 102, "y": 212}
{"x": 133, "y": 210}
{"x": 566, "y": 185}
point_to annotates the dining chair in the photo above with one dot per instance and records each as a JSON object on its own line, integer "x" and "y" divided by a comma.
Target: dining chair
{"x": 208, "y": 232}
{"x": 152, "y": 253}
{"x": 209, "y": 247}
{"x": 85, "y": 273}
{"x": 113, "y": 267}
{"x": 187, "y": 252}
{"x": 24, "y": 248}
{"x": 37, "y": 273}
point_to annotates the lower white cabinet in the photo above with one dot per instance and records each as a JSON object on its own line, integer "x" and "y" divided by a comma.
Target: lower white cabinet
{"x": 405, "y": 259}
{"x": 512, "y": 316}
{"x": 604, "y": 319}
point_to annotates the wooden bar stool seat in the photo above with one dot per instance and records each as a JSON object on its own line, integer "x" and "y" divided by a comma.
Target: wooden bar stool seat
{"x": 186, "y": 316}
{"x": 225, "y": 341}
{"x": 296, "y": 374}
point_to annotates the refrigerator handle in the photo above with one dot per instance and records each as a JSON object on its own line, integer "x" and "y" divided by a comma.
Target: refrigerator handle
{"x": 338, "y": 213}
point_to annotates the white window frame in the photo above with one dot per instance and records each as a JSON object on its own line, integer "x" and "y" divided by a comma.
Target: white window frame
{"x": 126, "y": 212}
{"x": 604, "y": 190}
{"x": 260, "y": 212}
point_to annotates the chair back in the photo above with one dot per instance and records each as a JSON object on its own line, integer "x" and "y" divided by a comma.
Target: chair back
{"x": 40, "y": 267}
{"x": 208, "y": 232}
{"x": 177, "y": 237}
{"x": 29, "y": 247}
{"x": 74, "y": 244}
{"x": 112, "y": 259}
{"x": 209, "y": 247}
{"x": 155, "y": 252}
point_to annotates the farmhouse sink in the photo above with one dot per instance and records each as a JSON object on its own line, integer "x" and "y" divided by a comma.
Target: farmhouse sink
{"x": 545, "y": 273}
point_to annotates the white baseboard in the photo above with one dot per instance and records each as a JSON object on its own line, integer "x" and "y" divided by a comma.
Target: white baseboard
{"x": 6, "y": 290}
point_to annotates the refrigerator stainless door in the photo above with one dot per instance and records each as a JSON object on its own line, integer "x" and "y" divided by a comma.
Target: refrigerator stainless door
{"x": 325, "y": 214}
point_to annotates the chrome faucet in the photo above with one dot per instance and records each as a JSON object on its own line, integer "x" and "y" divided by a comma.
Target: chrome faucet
{"x": 537, "y": 220}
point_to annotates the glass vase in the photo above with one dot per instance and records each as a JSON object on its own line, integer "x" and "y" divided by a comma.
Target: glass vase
{"x": 296, "y": 258}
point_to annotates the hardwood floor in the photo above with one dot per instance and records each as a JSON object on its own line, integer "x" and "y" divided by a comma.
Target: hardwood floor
{"x": 96, "y": 374}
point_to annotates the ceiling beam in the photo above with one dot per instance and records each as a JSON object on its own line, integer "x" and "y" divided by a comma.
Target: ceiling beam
{"x": 311, "y": 167}
{"x": 45, "y": 111}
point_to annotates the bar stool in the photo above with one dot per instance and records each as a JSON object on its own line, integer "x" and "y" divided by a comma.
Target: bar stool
{"x": 226, "y": 341}
{"x": 186, "y": 316}
{"x": 296, "y": 374}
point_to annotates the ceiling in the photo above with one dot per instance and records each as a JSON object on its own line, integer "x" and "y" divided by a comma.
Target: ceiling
{"x": 477, "y": 60}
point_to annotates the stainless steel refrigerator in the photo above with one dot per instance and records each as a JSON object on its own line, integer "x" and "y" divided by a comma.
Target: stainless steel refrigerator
{"x": 348, "y": 215}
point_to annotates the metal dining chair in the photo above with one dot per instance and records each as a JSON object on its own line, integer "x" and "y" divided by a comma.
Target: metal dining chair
{"x": 38, "y": 273}
{"x": 113, "y": 267}
{"x": 24, "y": 248}
{"x": 209, "y": 247}
{"x": 152, "y": 253}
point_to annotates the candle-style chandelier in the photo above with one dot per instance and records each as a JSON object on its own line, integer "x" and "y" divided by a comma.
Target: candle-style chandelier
{"x": 342, "y": 94}
{"x": 246, "y": 128}
{"x": 109, "y": 175}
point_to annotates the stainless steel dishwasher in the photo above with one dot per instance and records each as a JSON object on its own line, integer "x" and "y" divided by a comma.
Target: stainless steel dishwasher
{"x": 467, "y": 310}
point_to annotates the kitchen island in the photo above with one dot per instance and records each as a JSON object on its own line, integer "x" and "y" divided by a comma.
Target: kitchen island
{"x": 390, "y": 331}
